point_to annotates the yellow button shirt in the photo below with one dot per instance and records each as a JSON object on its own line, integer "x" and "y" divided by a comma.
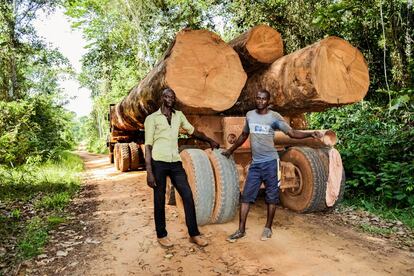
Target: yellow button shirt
{"x": 164, "y": 137}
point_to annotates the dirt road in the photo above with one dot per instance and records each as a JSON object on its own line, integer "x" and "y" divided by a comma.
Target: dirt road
{"x": 115, "y": 223}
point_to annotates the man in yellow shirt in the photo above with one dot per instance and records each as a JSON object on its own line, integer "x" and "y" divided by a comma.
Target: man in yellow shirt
{"x": 162, "y": 159}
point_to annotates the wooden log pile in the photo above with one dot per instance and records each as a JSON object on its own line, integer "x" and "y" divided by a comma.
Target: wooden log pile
{"x": 326, "y": 74}
{"x": 204, "y": 71}
{"x": 210, "y": 76}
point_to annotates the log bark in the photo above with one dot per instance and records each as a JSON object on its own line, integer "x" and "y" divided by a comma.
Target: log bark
{"x": 326, "y": 74}
{"x": 258, "y": 47}
{"x": 328, "y": 139}
{"x": 205, "y": 73}
{"x": 297, "y": 121}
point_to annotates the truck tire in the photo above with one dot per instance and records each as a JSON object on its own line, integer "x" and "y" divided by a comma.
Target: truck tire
{"x": 227, "y": 186}
{"x": 111, "y": 153}
{"x": 201, "y": 179}
{"x": 117, "y": 156}
{"x": 169, "y": 192}
{"x": 134, "y": 150}
{"x": 125, "y": 157}
{"x": 309, "y": 170}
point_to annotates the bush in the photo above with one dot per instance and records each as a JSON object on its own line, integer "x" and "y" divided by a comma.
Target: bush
{"x": 33, "y": 129}
{"x": 54, "y": 176}
{"x": 33, "y": 198}
{"x": 377, "y": 148}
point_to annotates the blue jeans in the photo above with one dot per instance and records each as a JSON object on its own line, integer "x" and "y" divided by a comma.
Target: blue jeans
{"x": 266, "y": 172}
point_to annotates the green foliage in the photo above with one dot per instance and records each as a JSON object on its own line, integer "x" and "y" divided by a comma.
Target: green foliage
{"x": 33, "y": 197}
{"x": 376, "y": 136}
{"x": 360, "y": 23}
{"x": 79, "y": 130}
{"x": 52, "y": 177}
{"x": 136, "y": 33}
{"x": 55, "y": 220}
{"x": 34, "y": 239}
{"x": 372, "y": 205}
{"x": 375, "y": 229}
{"x": 27, "y": 65}
{"x": 377, "y": 148}
{"x": 36, "y": 235}
{"x": 15, "y": 214}
{"x": 54, "y": 202}
{"x": 36, "y": 128}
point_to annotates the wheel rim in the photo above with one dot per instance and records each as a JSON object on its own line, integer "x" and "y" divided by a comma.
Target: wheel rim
{"x": 298, "y": 181}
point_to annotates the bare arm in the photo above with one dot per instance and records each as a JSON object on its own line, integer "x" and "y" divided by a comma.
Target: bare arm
{"x": 197, "y": 133}
{"x": 240, "y": 140}
{"x": 148, "y": 166}
{"x": 297, "y": 134}
{"x": 200, "y": 135}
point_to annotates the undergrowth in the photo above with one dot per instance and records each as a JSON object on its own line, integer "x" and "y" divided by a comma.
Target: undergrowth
{"x": 32, "y": 201}
{"x": 382, "y": 210}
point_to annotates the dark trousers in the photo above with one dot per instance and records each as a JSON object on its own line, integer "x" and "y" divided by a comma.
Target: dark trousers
{"x": 178, "y": 178}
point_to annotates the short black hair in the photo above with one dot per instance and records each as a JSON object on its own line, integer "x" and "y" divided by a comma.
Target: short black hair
{"x": 264, "y": 91}
{"x": 167, "y": 90}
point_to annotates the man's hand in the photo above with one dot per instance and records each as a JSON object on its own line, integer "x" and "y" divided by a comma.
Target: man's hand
{"x": 214, "y": 144}
{"x": 317, "y": 134}
{"x": 226, "y": 153}
{"x": 151, "y": 180}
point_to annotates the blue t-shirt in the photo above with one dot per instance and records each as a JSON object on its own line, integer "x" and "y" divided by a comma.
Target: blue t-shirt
{"x": 262, "y": 130}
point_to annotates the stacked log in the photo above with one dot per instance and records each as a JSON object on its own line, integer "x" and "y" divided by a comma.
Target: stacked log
{"x": 297, "y": 121}
{"x": 258, "y": 47}
{"x": 326, "y": 74}
{"x": 205, "y": 73}
{"x": 208, "y": 78}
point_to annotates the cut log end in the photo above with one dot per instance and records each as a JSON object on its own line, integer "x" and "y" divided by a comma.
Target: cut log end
{"x": 341, "y": 72}
{"x": 264, "y": 44}
{"x": 203, "y": 68}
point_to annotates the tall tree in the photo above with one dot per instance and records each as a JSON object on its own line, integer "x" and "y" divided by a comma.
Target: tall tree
{"x": 19, "y": 44}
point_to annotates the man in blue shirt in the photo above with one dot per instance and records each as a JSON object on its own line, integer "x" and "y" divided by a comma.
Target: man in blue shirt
{"x": 261, "y": 124}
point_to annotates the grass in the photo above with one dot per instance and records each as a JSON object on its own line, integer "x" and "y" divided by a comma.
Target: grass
{"x": 372, "y": 205}
{"x": 55, "y": 176}
{"x": 375, "y": 229}
{"x": 32, "y": 201}
{"x": 55, "y": 220}
{"x": 34, "y": 239}
{"x": 54, "y": 202}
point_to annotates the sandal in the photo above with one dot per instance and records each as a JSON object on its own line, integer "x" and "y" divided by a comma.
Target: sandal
{"x": 236, "y": 235}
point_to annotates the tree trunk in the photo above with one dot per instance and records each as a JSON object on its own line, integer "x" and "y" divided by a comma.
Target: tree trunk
{"x": 12, "y": 91}
{"x": 205, "y": 73}
{"x": 328, "y": 73}
{"x": 258, "y": 47}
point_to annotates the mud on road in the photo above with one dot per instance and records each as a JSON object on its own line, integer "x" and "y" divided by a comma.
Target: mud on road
{"x": 112, "y": 233}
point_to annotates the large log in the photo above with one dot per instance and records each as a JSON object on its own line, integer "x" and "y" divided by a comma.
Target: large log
{"x": 326, "y": 74}
{"x": 258, "y": 47}
{"x": 205, "y": 73}
{"x": 328, "y": 139}
{"x": 297, "y": 121}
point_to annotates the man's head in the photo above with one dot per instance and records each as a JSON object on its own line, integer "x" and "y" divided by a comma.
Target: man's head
{"x": 262, "y": 99}
{"x": 168, "y": 97}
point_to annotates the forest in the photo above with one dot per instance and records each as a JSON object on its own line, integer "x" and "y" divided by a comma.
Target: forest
{"x": 39, "y": 172}
{"x": 376, "y": 135}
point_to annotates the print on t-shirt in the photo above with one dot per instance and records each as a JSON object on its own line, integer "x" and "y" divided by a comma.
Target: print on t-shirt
{"x": 259, "y": 129}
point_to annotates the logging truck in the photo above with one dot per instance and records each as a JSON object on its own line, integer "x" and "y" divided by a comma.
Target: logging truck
{"x": 215, "y": 83}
